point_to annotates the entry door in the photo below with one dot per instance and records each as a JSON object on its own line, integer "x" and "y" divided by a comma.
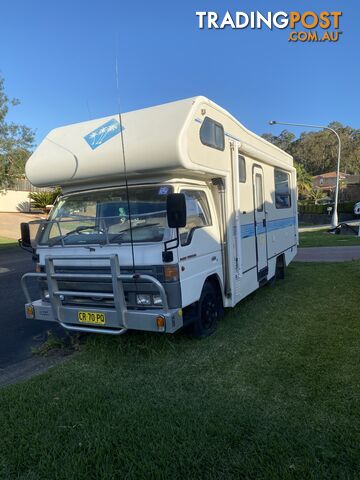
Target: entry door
{"x": 260, "y": 222}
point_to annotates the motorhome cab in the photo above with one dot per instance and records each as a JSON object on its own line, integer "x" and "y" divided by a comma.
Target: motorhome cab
{"x": 200, "y": 213}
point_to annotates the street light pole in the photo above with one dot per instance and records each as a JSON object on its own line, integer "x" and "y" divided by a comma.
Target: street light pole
{"x": 334, "y": 220}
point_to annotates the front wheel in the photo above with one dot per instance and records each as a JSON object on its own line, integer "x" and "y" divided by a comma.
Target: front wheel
{"x": 209, "y": 310}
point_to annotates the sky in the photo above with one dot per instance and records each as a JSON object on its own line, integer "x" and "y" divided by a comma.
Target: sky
{"x": 59, "y": 57}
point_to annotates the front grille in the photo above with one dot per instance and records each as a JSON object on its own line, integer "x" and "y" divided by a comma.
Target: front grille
{"x": 131, "y": 288}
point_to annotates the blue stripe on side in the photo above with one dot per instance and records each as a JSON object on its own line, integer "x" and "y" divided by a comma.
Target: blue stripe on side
{"x": 248, "y": 230}
{"x": 282, "y": 223}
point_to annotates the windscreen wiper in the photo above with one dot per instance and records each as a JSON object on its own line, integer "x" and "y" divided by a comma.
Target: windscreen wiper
{"x": 78, "y": 229}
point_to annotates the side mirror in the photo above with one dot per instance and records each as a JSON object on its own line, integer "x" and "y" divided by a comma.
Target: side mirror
{"x": 25, "y": 235}
{"x": 176, "y": 210}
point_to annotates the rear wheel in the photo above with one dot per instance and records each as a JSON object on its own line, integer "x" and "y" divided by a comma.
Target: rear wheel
{"x": 208, "y": 311}
{"x": 279, "y": 270}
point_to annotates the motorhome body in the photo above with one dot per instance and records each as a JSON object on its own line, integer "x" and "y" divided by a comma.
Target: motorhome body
{"x": 107, "y": 259}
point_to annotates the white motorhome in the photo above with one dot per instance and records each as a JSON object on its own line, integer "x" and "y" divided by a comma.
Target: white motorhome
{"x": 200, "y": 213}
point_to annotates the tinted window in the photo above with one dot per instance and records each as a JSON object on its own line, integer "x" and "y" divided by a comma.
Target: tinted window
{"x": 102, "y": 216}
{"x": 282, "y": 189}
{"x": 212, "y": 134}
{"x": 242, "y": 169}
{"x": 197, "y": 213}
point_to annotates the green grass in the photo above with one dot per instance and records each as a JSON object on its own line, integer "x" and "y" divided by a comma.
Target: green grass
{"x": 321, "y": 238}
{"x": 7, "y": 242}
{"x": 273, "y": 394}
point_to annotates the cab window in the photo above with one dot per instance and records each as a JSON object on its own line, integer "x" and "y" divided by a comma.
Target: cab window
{"x": 198, "y": 214}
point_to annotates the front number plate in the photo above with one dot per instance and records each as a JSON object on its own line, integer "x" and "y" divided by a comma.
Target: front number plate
{"x": 94, "y": 318}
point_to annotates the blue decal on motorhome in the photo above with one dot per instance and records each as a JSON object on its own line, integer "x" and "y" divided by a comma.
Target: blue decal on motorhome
{"x": 103, "y": 133}
{"x": 248, "y": 230}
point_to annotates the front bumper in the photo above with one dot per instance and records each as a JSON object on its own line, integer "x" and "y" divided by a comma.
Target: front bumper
{"x": 116, "y": 318}
{"x": 135, "y": 319}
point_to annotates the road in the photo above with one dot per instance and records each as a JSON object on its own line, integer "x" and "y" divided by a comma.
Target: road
{"x": 328, "y": 254}
{"x": 17, "y": 335}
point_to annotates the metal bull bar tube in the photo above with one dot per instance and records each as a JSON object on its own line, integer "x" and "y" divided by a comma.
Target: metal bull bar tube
{"x": 55, "y": 294}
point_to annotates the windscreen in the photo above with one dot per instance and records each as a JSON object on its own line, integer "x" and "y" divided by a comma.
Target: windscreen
{"x": 103, "y": 216}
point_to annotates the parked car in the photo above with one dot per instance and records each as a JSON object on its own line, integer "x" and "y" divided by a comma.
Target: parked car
{"x": 357, "y": 208}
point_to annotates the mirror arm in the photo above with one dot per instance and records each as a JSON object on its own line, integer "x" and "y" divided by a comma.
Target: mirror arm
{"x": 167, "y": 254}
{"x": 27, "y": 249}
{"x": 176, "y": 239}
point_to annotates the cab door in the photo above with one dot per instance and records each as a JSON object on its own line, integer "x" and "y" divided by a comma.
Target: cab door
{"x": 260, "y": 222}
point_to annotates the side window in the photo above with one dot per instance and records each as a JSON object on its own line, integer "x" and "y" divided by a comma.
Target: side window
{"x": 212, "y": 134}
{"x": 259, "y": 193}
{"x": 198, "y": 214}
{"x": 282, "y": 189}
{"x": 242, "y": 169}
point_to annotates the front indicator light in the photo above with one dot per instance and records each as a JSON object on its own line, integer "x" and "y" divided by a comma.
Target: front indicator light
{"x": 30, "y": 311}
{"x": 171, "y": 273}
{"x": 143, "y": 299}
{"x": 160, "y": 322}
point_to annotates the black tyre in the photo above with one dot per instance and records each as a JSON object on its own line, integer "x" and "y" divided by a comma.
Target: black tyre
{"x": 279, "y": 271}
{"x": 280, "y": 268}
{"x": 209, "y": 309}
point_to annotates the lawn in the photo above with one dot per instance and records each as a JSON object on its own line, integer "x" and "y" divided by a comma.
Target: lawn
{"x": 7, "y": 242}
{"x": 321, "y": 238}
{"x": 273, "y": 394}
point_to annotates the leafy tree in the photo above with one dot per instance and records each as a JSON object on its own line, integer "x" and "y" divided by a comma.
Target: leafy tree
{"x": 304, "y": 181}
{"x": 317, "y": 194}
{"x": 317, "y": 150}
{"x": 16, "y": 142}
{"x": 283, "y": 141}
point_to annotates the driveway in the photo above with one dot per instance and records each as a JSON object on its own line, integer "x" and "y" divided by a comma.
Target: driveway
{"x": 17, "y": 335}
{"x": 328, "y": 254}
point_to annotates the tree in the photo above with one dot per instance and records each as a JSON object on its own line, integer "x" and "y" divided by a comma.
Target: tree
{"x": 317, "y": 150}
{"x": 283, "y": 141}
{"x": 16, "y": 142}
{"x": 304, "y": 181}
{"x": 317, "y": 194}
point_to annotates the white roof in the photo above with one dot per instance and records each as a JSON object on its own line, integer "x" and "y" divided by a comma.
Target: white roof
{"x": 153, "y": 142}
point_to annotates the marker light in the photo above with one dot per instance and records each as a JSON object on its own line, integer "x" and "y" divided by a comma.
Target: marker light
{"x": 160, "y": 322}
{"x": 171, "y": 273}
{"x": 30, "y": 311}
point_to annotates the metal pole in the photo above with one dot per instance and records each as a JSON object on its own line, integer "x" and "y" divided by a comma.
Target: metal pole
{"x": 334, "y": 220}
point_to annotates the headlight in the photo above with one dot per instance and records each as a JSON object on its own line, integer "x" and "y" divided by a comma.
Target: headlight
{"x": 157, "y": 300}
{"x": 142, "y": 299}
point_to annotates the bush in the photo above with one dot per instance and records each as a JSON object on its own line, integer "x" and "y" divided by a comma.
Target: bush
{"x": 312, "y": 208}
{"x": 344, "y": 207}
{"x": 41, "y": 199}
